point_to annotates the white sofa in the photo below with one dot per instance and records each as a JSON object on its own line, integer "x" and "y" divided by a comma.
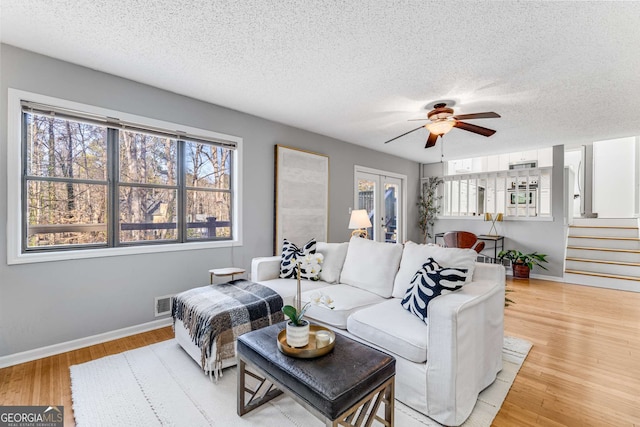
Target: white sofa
{"x": 441, "y": 365}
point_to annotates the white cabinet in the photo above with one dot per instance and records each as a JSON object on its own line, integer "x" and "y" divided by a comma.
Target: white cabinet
{"x": 500, "y": 162}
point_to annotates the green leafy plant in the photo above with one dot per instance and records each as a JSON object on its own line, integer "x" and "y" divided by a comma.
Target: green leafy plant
{"x": 296, "y": 316}
{"x": 428, "y": 206}
{"x": 507, "y": 301}
{"x": 517, "y": 257}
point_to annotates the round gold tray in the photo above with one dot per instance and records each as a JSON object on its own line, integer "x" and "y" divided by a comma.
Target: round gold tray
{"x": 309, "y": 351}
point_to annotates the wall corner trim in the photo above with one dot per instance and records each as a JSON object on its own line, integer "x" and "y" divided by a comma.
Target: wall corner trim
{"x": 39, "y": 353}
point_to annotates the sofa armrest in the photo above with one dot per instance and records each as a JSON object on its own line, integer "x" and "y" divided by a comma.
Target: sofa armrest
{"x": 489, "y": 272}
{"x": 265, "y": 268}
{"x": 464, "y": 352}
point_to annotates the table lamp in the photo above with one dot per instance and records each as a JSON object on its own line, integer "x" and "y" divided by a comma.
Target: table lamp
{"x": 359, "y": 222}
{"x": 496, "y": 217}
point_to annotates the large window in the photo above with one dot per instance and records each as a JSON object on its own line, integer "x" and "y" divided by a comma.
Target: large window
{"x": 89, "y": 181}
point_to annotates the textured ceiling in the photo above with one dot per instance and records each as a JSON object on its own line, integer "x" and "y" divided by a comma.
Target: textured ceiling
{"x": 557, "y": 72}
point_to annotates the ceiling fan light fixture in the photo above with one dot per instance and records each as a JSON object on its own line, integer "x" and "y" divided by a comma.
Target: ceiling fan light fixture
{"x": 440, "y": 127}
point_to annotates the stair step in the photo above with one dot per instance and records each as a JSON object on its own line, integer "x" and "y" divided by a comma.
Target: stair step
{"x": 608, "y": 276}
{"x": 586, "y": 248}
{"x": 607, "y": 238}
{"x": 631, "y": 243}
{"x": 623, "y": 222}
{"x": 614, "y": 267}
{"x": 603, "y": 254}
{"x": 612, "y": 232}
{"x": 601, "y": 261}
{"x": 615, "y": 227}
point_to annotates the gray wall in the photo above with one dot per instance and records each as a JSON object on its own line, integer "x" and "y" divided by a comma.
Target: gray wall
{"x": 48, "y": 303}
{"x": 547, "y": 237}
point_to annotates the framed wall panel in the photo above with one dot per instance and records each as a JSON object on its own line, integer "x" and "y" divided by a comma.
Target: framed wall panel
{"x": 301, "y": 196}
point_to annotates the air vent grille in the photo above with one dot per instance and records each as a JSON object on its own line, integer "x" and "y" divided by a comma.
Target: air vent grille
{"x": 162, "y": 305}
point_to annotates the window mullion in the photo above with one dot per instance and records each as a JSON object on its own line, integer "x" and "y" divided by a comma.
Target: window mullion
{"x": 113, "y": 177}
{"x": 182, "y": 193}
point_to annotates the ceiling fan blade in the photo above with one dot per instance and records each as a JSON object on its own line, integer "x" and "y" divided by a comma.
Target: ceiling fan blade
{"x": 431, "y": 141}
{"x": 488, "y": 115}
{"x": 406, "y": 133}
{"x": 475, "y": 129}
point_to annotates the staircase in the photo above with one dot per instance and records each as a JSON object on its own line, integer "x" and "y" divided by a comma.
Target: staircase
{"x": 604, "y": 252}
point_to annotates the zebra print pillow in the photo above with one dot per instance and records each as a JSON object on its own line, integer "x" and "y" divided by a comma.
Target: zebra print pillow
{"x": 429, "y": 282}
{"x": 289, "y": 257}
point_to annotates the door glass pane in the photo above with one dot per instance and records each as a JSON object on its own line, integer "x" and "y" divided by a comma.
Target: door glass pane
{"x": 366, "y": 200}
{"x": 390, "y": 221}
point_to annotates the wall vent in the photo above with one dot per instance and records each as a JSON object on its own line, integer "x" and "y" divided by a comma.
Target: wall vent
{"x": 162, "y": 305}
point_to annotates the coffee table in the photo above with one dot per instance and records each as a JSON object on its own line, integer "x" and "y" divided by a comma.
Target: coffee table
{"x": 345, "y": 387}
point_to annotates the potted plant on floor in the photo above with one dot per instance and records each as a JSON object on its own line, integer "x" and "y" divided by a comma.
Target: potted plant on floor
{"x": 429, "y": 206}
{"x": 523, "y": 263}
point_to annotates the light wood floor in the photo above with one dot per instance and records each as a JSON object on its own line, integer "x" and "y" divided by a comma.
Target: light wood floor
{"x": 583, "y": 370}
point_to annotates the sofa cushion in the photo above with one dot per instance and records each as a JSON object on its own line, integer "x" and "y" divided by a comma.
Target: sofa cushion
{"x": 372, "y": 266}
{"x": 414, "y": 255}
{"x": 391, "y": 327}
{"x": 287, "y": 288}
{"x": 430, "y": 282}
{"x": 334, "y": 255}
{"x": 346, "y": 300}
{"x": 289, "y": 257}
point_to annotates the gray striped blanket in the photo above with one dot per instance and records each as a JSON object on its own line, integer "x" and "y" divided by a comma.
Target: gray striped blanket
{"x": 220, "y": 313}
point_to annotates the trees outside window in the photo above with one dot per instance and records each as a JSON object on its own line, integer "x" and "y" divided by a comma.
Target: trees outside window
{"x": 91, "y": 184}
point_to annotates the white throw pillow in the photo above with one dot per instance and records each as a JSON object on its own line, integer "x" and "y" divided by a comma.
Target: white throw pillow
{"x": 414, "y": 255}
{"x": 334, "y": 255}
{"x": 372, "y": 266}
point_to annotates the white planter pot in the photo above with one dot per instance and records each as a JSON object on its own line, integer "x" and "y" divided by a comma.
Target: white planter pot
{"x": 298, "y": 336}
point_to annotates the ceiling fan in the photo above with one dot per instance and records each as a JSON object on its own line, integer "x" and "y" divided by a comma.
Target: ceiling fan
{"x": 443, "y": 120}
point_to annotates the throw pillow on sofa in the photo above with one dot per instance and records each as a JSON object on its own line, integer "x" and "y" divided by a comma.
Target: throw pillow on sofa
{"x": 429, "y": 282}
{"x": 334, "y": 255}
{"x": 290, "y": 255}
{"x": 371, "y": 265}
{"x": 414, "y": 255}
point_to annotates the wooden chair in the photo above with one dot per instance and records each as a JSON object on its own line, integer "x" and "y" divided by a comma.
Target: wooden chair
{"x": 462, "y": 239}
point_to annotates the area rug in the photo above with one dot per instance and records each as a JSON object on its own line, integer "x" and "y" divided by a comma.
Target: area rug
{"x": 160, "y": 385}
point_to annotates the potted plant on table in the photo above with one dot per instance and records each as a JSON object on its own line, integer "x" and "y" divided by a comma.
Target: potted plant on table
{"x": 523, "y": 263}
{"x": 297, "y": 327}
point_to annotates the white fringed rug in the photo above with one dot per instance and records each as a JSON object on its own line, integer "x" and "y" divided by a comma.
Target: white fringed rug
{"x": 160, "y": 385}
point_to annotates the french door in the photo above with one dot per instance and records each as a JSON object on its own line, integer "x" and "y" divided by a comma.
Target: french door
{"x": 381, "y": 194}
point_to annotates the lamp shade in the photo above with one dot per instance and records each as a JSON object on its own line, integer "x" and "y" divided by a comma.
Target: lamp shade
{"x": 359, "y": 219}
{"x": 440, "y": 127}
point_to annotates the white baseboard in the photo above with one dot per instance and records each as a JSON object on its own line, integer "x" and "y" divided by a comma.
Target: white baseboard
{"x": 39, "y": 353}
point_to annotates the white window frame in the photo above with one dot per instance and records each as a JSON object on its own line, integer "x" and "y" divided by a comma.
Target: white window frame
{"x": 14, "y": 193}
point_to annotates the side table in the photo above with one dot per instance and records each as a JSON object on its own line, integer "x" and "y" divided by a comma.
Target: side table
{"x": 221, "y": 272}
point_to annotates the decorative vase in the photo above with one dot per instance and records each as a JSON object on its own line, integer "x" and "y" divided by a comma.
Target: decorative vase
{"x": 298, "y": 336}
{"x": 521, "y": 271}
